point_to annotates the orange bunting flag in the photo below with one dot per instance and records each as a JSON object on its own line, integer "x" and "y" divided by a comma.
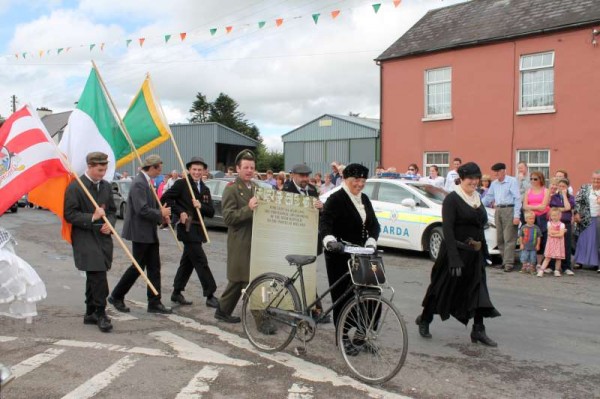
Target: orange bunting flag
{"x": 182, "y": 35}
{"x": 16, "y": 55}
{"x": 142, "y": 40}
{"x": 228, "y": 29}
{"x": 41, "y": 53}
{"x": 278, "y": 22}
{"x": 397, "y": 3}
{"x": 335, "y": 13}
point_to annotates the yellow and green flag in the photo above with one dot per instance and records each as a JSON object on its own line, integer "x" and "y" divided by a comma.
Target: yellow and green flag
{"x": 145, "y": 123}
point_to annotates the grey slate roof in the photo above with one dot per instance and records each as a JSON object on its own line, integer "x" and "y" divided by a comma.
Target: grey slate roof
{"x": 55, "y": 123}
{"x": 485, "y": 21}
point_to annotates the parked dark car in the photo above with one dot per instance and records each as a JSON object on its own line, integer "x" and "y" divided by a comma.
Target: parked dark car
{"x": 120, "y": 194}
{"x": 14, "y": 208}
{"x": 23, "y": 201}
{"x": 216, "y": 187}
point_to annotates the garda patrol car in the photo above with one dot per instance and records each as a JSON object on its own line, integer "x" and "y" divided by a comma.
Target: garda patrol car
{"x": 410, "y": 215}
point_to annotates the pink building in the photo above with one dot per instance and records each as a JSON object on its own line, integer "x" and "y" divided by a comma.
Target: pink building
{"x": 496, "y": 81}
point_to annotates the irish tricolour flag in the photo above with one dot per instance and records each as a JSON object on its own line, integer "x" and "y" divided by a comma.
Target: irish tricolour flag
{"x": 93, "y": 126}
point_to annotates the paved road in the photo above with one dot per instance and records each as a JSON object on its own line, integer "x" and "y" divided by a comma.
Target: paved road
{"x": 548, "y": 338}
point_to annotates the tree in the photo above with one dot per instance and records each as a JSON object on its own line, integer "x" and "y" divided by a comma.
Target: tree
{"x": 268, "y": 159}
{"x": 223, "y": 110}
{"x": 200, "y": 109}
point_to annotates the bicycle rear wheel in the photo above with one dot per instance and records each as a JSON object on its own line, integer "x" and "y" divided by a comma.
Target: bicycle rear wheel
{"x": 266, "y": 330}
{"x": 372, "y": 337}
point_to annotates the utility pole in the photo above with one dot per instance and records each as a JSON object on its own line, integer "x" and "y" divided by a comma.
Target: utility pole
{"x": 14, "y": 103}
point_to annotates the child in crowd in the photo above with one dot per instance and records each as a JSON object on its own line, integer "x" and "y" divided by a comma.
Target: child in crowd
{"x": 555, "y": 246}
{"x": 531, "y": 239}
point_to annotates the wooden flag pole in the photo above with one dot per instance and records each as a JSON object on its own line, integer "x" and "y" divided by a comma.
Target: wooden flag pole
{"x": 182, "y": 169}
{"x": 132, "y": 145}
{"x": 112, "y": 229}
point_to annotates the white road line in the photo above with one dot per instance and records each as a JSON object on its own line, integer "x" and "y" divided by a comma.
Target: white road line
{"x": 300, "y": 391}
{"x": 119, "y": 316}
{"x": 199, "y": 383}
{"x": 101, "y": 380}
{"x": 112, "y": 348}
{"x": 302, "y": 368}
{"x": 7, "y": 339}
{"x": 27, "y": 365}
{"x": 190, "y": 351}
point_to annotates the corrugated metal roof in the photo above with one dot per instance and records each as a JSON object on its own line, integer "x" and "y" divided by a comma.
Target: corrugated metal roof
{"x": 485, "y": 21}
{"x": 55, "y": 123}
{"x": 347, "y": 127}
{"x": 222, "y": 134}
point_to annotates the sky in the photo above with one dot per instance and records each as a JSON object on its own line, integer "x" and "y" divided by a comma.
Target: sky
{"x": 281, "y": 76}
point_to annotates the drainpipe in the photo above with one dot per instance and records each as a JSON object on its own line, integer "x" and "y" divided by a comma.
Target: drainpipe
{"x": 513, "y": 116}
{"x": 378, "y": 156}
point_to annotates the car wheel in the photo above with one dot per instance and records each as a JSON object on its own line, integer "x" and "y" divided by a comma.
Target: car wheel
{"x": 435, "y": 242}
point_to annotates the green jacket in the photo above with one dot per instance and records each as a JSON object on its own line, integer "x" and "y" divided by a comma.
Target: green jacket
{"x": 237, "y": 215}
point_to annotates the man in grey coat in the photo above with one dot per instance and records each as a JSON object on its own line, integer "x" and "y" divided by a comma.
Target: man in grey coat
{"x": 91, "y": 235}
{"x": 142, "y": 218}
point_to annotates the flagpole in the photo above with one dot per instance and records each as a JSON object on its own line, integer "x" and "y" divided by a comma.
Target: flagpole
{"x": 183, "y": 168}
{"x": 112, "y": 229}
{"x": 132, "y": 145}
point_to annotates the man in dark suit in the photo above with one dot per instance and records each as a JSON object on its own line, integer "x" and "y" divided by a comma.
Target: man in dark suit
{"x": 299, "y": 184}
{"x": 190, "y": 232}
{"x": 143, "y": 215}
{"x": 91, "y": 236}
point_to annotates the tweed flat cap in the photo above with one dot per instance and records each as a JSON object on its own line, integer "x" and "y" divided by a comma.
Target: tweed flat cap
{"x": 96, "y": 158}
{"x": 356, "y": 170}
{"x": 196, "y": 160}
{"x": 301, "y": 169}
{"x": 498, "y": 166}
{"x": 152, "y": 160}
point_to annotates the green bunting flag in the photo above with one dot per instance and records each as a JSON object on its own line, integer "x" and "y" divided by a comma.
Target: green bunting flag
{"x": 316, "y": 17}
{"x": 24, "y": 55}
{"x": 92, "y": 46}
{"x": 376, "y": 7}
{"x": 128, "y": 41}
{"x": 213, "y": 31}
{"x": 59, "y": 50}
{"x": 167, "y": 38}
{"x": 261, "y": 24}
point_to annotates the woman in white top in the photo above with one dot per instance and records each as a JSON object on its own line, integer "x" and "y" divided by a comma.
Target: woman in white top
{"x": 434, "y": 178}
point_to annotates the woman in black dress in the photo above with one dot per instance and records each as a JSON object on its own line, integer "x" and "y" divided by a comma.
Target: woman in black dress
{"x": 458, "y": 284}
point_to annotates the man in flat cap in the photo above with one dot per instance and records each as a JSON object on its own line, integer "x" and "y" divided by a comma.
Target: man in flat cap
{"x": 190, "y": 232}
{"x": 238, "y": 204}
{"x": 142, "y": 218}
{"x": 505, "y": 196}
{"x": 91, "y": 235}
{"x": 299, "y": 184}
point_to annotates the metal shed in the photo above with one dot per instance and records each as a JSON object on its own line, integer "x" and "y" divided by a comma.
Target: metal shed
{"x": 217, "y": 144}
{"x": 340, "y": 138}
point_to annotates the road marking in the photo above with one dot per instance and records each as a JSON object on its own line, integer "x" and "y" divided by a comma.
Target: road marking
{"x": 101, "y": 380}
{"x": 302, "y": 368}
{"x": 7, "y": 339}
{"x": 112, "y": 348}
{"x": 199, "y": 383}
{"x": 120, "y": 316}
{"x": 27, "y": 365}
{"x": 190, "y": 351}
{"x": 300, "y": 391}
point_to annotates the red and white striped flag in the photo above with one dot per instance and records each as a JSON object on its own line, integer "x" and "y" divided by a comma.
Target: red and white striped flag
{"x": 28, "y": 157}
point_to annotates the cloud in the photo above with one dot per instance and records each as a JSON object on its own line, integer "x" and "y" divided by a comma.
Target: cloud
{"x": 281, "y": 77}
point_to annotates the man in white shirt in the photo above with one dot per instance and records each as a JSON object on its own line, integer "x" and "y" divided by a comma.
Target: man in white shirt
{"x": 174, "y": 177}
{"x": 452, "y": 175}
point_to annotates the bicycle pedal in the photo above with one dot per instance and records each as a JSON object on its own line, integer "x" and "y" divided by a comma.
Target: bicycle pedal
{"x": 300, "y": 351}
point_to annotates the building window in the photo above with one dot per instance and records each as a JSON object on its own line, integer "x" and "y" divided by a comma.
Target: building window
{"x": 439, "y": 159}
{"x": 537, "y": 160}
{"x": 438, "y": 90}
{"x": 537, "y": 81}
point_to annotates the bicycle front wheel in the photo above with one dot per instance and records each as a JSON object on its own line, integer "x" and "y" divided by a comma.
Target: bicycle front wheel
{"x": 371, "y": 335}
{"x": 266, "y": 328}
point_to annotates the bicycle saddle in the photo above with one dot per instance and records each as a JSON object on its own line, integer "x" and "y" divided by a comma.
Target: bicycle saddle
{"x": 300, "y": 260}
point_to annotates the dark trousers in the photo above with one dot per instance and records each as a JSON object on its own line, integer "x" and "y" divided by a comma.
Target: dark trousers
{"x": 194, "y": 258}
{"x": 231, "y": 296}
{"x": 96, "y": 291}
{"x": 148, "y": 257}
{"x": 334, "y": 273}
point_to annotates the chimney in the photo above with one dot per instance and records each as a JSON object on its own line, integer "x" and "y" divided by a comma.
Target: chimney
{"x": 43, "y": 111}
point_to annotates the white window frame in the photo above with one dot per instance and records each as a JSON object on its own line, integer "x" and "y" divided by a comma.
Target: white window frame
{"x": 439, "y": 84}
{"x": 526, "y": 156}
{"x": 442, "y": 167}
{"x": 529, "y": 70}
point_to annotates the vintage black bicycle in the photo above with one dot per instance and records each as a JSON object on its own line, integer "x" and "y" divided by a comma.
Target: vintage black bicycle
{"x": 371, "y": 332}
